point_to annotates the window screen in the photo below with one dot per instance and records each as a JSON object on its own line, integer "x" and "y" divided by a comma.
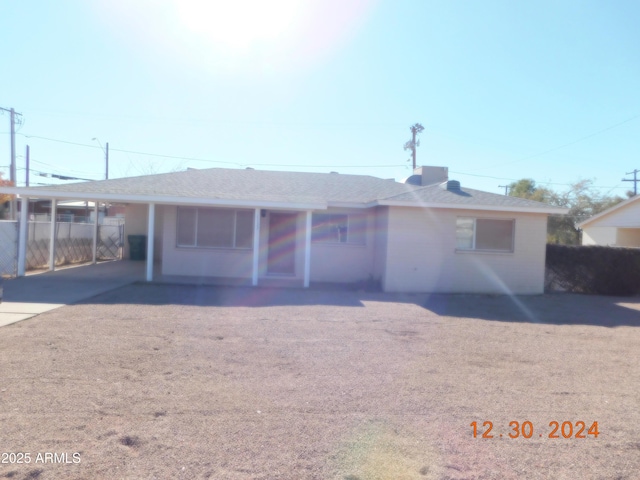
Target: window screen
{"x": 484, "y": 234}
{"x": 214, "y": 228}
{"x": 244, "y": 229}
{"x": 186, "y": 226}
{"x": 494, "y": 234}
{"x": 329, "y": 228}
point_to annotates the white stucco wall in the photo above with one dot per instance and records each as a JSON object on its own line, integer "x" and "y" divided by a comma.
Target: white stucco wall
{"x": 329, "y": 262}
{"x": 135, "y": 223}
{"x": 422, "y": 256}
{"x": 381, "y": 230}
{"x": 599, "y": 236}
{"x": 628, "y": 237}
{"x": 342, "y": 262}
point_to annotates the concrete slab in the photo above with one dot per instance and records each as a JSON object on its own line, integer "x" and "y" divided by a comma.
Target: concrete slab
{"x": 35, "y": 308}
{"x": 9, "y": 318}
{"x": 31, "y": 295}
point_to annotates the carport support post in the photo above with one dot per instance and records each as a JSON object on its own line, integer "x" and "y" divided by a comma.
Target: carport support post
{"x": 95, "y": 232}
{"x": 52, "y": 236}
{"x": 256, "y": 246}
{"x": 307, "y": 250}
{"x": 22, "y": 237}
{"x": 150, "y": 233}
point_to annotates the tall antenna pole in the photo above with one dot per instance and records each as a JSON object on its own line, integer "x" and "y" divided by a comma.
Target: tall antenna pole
{"x": 635, "y": 180}
{"x": 506, "y": 188}
{"x": 413, "y": 144}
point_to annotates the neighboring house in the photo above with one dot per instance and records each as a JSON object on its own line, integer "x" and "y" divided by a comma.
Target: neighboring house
{"x": 426, "y": 235}
{"x": 73, "y": 211}
{"x": 617, "y": 226}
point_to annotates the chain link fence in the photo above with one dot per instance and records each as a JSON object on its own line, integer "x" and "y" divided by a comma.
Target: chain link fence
{"x": 8, "y": 248}
{"x": 74, "y": 244}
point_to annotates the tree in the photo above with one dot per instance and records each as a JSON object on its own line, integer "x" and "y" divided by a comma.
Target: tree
{"x": 5, "y": 198}
{"x": 581, "y": 198}
{"x": 527, "y": 188}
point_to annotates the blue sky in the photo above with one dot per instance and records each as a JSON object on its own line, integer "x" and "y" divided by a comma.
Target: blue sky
{"x": 506, "y": 90}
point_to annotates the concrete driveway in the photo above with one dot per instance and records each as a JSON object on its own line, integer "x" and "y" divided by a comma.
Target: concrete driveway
{"x": 28, "y": 296}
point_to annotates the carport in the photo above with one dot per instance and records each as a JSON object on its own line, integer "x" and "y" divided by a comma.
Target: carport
{"x": 55, "y": 197}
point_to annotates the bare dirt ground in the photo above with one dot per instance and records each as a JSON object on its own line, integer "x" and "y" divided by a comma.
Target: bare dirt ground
{"x": 193, "y": 382}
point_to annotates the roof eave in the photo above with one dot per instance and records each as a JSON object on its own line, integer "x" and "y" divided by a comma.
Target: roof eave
{"x": 162, "y": 199}
{"x": 460, "y": 206}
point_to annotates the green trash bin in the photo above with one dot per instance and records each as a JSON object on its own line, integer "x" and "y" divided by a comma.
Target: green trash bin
{"x": 137, "y": 247}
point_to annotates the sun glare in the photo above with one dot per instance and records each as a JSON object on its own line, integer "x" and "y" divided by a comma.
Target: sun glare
{"x": 237, "y": 36}
{"x": 239, "y": 25}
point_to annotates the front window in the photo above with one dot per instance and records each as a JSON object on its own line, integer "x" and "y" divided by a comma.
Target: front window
{"x": 338, "y": 228}
{"x": 214, "y": 228}
{"x": 486, "y": 234}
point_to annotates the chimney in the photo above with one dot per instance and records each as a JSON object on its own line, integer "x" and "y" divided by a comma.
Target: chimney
{"x": 432, "y": 175}
{"x": 424, "y": 176}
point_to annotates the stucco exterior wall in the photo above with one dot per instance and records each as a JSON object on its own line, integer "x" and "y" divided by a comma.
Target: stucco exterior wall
{"x": 135, "y": 223}
{"x": 422, "y": 256}
{"x": 628, "y": 237}
{"x": 599, "y": 236}
{"x": 158, "y": 231}
{"x": 329, "y": 262}
{"x": 342, "y": 262}
{"x": 381, "y": 230}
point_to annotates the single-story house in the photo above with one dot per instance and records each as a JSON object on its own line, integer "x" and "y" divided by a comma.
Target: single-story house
{"x": 617, "y": 226}
{"x": 427, "y": 234}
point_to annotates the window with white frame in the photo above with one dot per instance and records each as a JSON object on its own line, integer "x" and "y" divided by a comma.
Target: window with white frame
{"x": 214, "y": 228}
{"x": 486, "y": 234}
{"x": 339, "y": 228}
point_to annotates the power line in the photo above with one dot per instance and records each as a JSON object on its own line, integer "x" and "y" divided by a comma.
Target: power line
{"x": 516, "y": 179}
{"x": 570, "y": 143}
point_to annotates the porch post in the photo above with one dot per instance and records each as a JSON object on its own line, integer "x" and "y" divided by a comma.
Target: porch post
{"x": 95, "y": 232}
{"x": 52, "y": 236}
{"x": 150, "y": 234}
{"x": 256, "y": 246}
{"x": 22, "y": 237}
{"x": 307, "y": 250}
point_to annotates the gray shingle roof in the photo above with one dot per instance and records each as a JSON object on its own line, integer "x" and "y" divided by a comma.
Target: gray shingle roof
{"x": 465, "y": 196}
{"x": 239, "y": 184}
{"x": 288, "y": 187}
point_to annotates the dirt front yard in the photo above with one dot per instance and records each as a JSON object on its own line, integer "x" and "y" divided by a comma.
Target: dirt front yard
{"x": 194, "y": 382}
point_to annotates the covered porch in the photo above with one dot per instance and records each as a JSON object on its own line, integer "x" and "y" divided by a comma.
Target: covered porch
{"x": 279, "y": 253}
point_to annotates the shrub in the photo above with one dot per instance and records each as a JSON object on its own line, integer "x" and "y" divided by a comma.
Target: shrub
{"x": 594, "y": 269}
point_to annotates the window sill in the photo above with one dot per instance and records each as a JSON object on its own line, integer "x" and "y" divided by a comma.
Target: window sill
{"x": 339, "y": 244}
{"x": 485, "y": 252}
{"x": 208, "y": 249}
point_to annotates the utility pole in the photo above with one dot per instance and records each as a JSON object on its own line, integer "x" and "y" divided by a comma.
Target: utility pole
{"x": 413, "y": 144}
{"x": 106, "y": 156}
{"x": 506, "y": 188}
{"x": 12, "y": 168}
{"x": 635, "y": 180}
{"x": 26, "y": 182}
